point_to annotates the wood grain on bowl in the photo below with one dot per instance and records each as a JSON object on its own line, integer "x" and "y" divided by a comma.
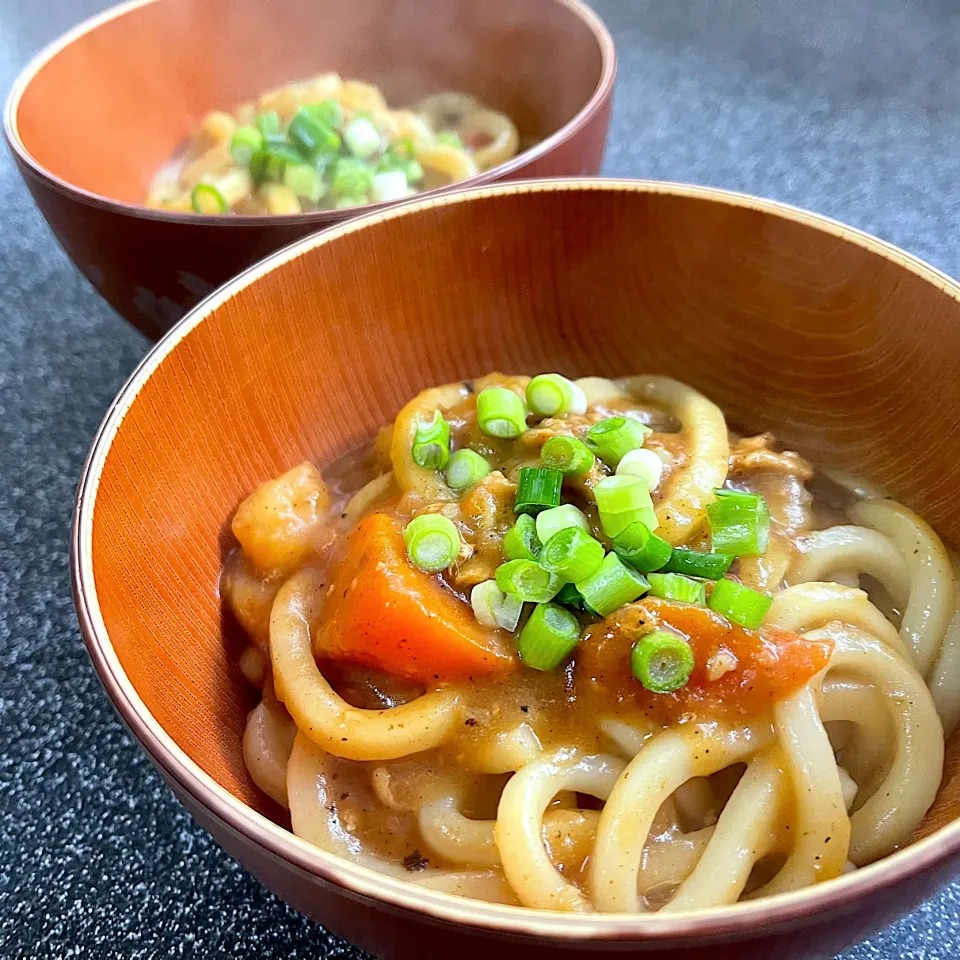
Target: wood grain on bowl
{"x": 94, "y": 117}
{"x": 843, "y": 345}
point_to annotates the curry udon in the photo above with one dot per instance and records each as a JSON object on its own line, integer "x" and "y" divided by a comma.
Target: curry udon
{"x": 329, "y": 143}
{"x": 578, "y": 646}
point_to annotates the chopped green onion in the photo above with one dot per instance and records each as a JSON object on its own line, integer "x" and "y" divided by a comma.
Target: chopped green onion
{"x": 528, "y": 581}
{"x": 624, "y": 500}
{"x": 556, "y": 519}
{"x": 485, "y": 598}
{"x": 548, "y": 637}
{"x": 501, "y": 413}
{"x": 571, "y": 554}
{"x": 466, "y": 469}
{"x": 433, "y": 542}
{"x": 276, "y": 156}
{"x": 674, "y": 586}
{"x": 352, "y": 179}
{"x": 739, "y": 523}
{"x": 448, "y": 138}
{"x": 612, "y": 585}
{"x": 508, "y": 613}
{"x": 345, "y": 202}
{"x": 388, "y": 186}
{"x": 327, "y": 111}
{"x": 493, "y": 608}
{"x": 569, "y": 596}
{"x": 551, "y": 395}
{"x": 521, "y": 541}
{"x": 414, "y": 171}
{"x": 431, "y": 443}
{"x": 644, "y": 464}
{"x": 304, "y": 181}
{"x": 362, "y": 138}
{"x": 268, "y": 123}
{"x": 568, "y": 455}
{"x": 611, "y": 439}
{"x": 206, "y": 198}
{"x": 312, "y": 135}
{"x": 537, "y": 489}
{"x": 643, "y": 550}
{"x": 662, "y": 661}
{"x": 739, "y": 603}
{"x": 693, "y": 563}
{"x": 246, "y": 143}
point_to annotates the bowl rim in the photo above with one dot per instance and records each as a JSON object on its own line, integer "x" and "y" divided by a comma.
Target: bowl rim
{"x": 597, "y": 101}
{"x": 730, "y": 922}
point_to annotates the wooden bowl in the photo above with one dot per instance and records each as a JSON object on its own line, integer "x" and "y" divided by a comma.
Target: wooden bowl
{"x": 845, "y": 346}
{"x": 97, "y": 113}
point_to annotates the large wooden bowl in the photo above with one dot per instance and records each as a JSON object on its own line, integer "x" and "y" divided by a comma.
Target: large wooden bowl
{"x": 97, "y": 113}
{"x": 845, "y": 346}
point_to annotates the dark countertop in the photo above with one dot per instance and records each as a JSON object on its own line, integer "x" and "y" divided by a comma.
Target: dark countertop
{"x": 848, "y": 107}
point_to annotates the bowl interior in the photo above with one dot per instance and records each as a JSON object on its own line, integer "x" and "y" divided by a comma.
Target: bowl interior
{"x": 844, "y": 347}
{"x": 109, "y": 107}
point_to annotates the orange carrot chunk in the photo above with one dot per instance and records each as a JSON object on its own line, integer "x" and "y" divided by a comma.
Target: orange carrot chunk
{"x": 738, "y": 672}
{"x": 383, "y": 612}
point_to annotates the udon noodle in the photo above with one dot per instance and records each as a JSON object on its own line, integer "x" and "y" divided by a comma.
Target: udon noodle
{"x": 408, "y": 736}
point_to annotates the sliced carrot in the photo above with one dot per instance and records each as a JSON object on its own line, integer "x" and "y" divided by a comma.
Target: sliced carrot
{"x": 738, "y": 671}
{"x": 383, "y": 612}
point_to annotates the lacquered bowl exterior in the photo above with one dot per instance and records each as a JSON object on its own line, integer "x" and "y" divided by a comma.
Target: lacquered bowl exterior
{"x": 93, "y": 117}
{"x": 842, "y": 344}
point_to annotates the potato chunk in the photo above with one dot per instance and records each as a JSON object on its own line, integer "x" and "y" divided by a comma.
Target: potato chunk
{"x": 249, "y": 596}
{"x": 278, "y": 522}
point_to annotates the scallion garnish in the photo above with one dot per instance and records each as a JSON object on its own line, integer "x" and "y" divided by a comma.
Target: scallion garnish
{"x": 206, "y": 198}
{"x": 268, "y": 123}
{"x": 328, "y": 111}
{"x": 693, "y": 563}
{"x": 662, "y": 661}
{"x": 521, "y": 541}
{"x": 739, "y": 523}
{"x": 537, "y": 489}
{"x": 312, "y": 135}
{"x": 351, "y": 179}
{"x": 548, "y": 637}
{"x": 528, "y": 581}
{"x": 674, "y": 586}
{"x": 448, "y": 138}
{"x": 642, "y": 463}
{"x": 624, "y": 500}
{"x": 550, "y": 395}
{"x": 485, "y": 598}
{"x": 611, "y": 439}
{"x": 568, "y": 455}
{"x": 501, "y": 413}
{"x": 431, "y": 444}
{"x": 433, "y": 542}
{"x": 466, "y": 469}
{"x": 612, "y": 585}
{"x": 739, "y": 603}
{"x": 569, "y": 596}
{"x": 493, "y": 608}
{"x": 245, "y": 144}
{"x": 362, "y": 137}
{"x": 556, "y": 519}
{"x": 388, "y": 186}
{"x": 304, "y": 181}
{"x": 572, "y": 554}
{"x": 641, "y": 548}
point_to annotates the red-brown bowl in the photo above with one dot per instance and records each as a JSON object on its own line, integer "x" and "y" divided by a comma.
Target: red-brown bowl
{"x": 93, "y": 117}
{"x": 844, "y": 345}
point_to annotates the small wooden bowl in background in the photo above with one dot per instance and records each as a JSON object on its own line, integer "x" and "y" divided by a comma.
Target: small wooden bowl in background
{"x": 97, "y": 113}
{"x": 843, "y": 345}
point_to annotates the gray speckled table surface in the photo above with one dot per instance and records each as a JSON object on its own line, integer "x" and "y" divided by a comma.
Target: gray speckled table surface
{"x": 848, "y": 107}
